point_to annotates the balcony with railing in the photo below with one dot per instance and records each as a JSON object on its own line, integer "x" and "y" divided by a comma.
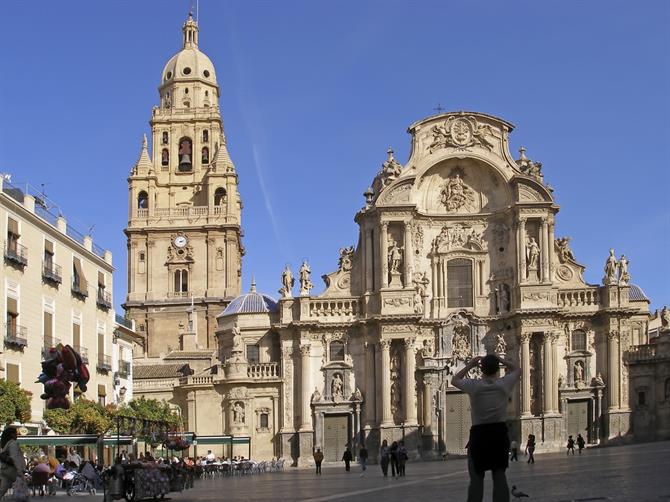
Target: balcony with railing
{"x": 263, "y": 371}
{"x": 15, "y": 253}
{"x": 335, "y": 309}
{"x": 184, "y": 213}
{"x": 128, "y": 323}
{"x": 104, "y": 363}
{"x": 197, "y": 380}
{"x": 16, "y": 336}
{"x": 52, "y": 273}
{"x": 640, "y": 353}
{"x": 124, "y": 369}
{"x": 581, "y": 299}
{"x": 48, "y": 344}
{"x": 103, "y": 299}
{"x": 83, "y": 352}
{"x": 79, "y": 289}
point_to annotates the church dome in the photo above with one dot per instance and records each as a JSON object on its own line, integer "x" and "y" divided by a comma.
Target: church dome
{"x": 189, "y": 63}
{"x": 251, "y": 303}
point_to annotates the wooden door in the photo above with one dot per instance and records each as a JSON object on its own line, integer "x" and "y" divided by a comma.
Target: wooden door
{"x": 335, "y": 437}
{"x": 457, "y": 422}
{"x": 578, "y": 418}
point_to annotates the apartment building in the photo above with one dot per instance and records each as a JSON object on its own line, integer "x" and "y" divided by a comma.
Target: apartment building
{"x": 57, "y": 287}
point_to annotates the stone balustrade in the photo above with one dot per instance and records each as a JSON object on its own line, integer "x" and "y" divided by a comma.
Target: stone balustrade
{"x": 187, "y": 212}
{"x": 586, "y": 297}
{"x": 336, "y": 309}
{"x": 640, "y": 353}
{"x": 197, "y": 380}
{"x": 260, "y": 371}
{"x": 155, "y": 384}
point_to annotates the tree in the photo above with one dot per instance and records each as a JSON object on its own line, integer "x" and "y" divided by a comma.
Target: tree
{"x": 14, "y": 403}
{"x": 83, "y": 417}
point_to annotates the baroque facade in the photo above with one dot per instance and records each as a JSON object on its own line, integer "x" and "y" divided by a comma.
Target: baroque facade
{"x": 456, "y": 257}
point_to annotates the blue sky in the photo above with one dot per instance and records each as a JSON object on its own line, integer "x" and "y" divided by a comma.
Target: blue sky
{"x": 314, "y": 92}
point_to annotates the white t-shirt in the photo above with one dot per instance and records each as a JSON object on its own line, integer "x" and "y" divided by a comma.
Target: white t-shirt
{"x": 488, "y": 397}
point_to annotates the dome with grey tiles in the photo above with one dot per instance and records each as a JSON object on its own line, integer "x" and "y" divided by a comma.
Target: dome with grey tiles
{"x": 252, "y": 302}
{"x": 635, "y": 294}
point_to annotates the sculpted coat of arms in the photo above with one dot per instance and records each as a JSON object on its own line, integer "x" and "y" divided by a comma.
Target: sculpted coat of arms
{"x": 456, "y": 195}
{"x": 461, "y": 133}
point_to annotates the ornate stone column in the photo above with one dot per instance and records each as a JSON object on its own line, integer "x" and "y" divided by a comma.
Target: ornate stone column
{"x": 191, "y": 410}
{"x": 548, "y": 394}
{"x": 544, "y": 239}
{"x": 306, "y": 415}
{"x": 521, "y": 249}
{"x": 525, "y": 374}
{"x": 369, "y": 407}
{"x": 427, "y": 404}
{"x": 387, "y": 416}
{"x": 613, "y": 370}
{"x": 554, "y": 349}
{"x": 287, "y": 389}
{"x": 550, "y": 249}
{"x": 410, "y": 386}
{"x": 364, "y": 254}
{"x": 408, "y": 254}
{"x": 383, "y": 248}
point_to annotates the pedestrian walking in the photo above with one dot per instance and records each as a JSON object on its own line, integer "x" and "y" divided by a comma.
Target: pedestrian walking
{"x": 12, "y": 463}
{"x": 318, "y": 458}
{"x": 571, "y": 445}
{"x": 514, "y": 449}
{"x": 394, "y": 458}
{"x": 488, "y": 446}
{"x": 580, "y": 443}
{"x": 363, "y": 459}
{"x": 530, "y": 448}
{"x": 347, "y": 457}
{"x": 402, "y": 458}
{"x": 384, "y": 455}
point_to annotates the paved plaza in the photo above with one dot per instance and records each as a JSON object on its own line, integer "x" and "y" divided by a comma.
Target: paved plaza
{"x": 636, "y": 473}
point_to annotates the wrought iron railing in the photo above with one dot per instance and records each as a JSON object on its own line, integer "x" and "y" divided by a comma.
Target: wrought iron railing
{"x": 16, "y": 335}
{"x": 104, "y": 362}
{"x": 104, "y": 299}
{"x": 52, "y": 272}
{"x": 124, "y": 368}
{"x": 16, "y": 253}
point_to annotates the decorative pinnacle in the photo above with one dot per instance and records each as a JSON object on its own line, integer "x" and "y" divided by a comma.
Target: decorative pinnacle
{"x": 253, "y": 285}
{"x": 390, "y": 153}
{"x": 522, "y": 153}
{"x": 144, "y": 141}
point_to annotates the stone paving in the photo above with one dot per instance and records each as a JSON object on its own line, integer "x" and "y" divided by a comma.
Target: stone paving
{"x": 635, "y": 473}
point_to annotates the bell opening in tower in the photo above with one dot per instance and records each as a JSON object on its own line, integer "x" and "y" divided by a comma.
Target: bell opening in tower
{"x": 185, "y": 153}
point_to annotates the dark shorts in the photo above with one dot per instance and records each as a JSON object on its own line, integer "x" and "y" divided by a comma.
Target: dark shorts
{"x": 489, "y": 446}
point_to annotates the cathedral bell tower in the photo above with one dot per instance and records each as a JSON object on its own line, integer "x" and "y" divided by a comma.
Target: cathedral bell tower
{"x": 184, "y": 210}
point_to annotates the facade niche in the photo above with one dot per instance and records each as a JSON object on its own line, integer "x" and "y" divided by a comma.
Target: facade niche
{"x": 336, "y": 351}
{"x": 143, "y": 200}
{"x": 205, "y": 133}
{"x": 205, "y": 155}
{"x": 185, "y": 154}
{"x": 220, "y": 196}
{"x": 165, "y": 138}
{"x": 165, "y": 157}
{"x": 459, "y": 283}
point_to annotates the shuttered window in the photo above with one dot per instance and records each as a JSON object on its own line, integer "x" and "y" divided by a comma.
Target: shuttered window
{"x": 78, "y": 278}
{"x": 76, "y": 336}
{"x": 48, "y": 328}
{"x": 13, "y": 373}
{"x": 12, "y": 227}
{"x": 459, "y": 283}
{"x": 101, "y": 346}
{"x": 101, "y": 280}
{"x": 102, "y": 390}
{"x": 12, "y": 306}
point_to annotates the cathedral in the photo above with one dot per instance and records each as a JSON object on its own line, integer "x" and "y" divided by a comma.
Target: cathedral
{"x": 456, "y": 257}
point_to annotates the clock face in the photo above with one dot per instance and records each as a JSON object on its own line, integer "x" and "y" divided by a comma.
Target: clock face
{"x": 180, "y": 241}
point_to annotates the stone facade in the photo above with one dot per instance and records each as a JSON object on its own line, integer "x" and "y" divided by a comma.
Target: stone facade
{"x": 56, "y": 287}
{"x": 456, "y": 257}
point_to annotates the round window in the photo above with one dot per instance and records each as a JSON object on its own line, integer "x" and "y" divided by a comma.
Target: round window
{"x": 206, "y": 73}
{"x": 187, "y": 71}
{"x": 169, "y": 75}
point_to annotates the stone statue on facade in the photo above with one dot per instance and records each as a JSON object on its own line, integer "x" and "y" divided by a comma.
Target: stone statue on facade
{"x": 563, "y": 250}
{"x": 336, "y": 387}
{"x": 561, "y": 381}
{"x": 579, "y": 373}
{"x": 611, "y": 268}
{"x": 428, "y": 348}
{"x": 395, "y": 258}
{"x": 501, "y": 346}
{"x": 665, "y": 317}
{"x": 305, "y": 279}
{"x": 624, "y": 276}
{"x": 421, "y": 282}
{"x": 456, "y": 194}
{"x": 238, "y": 342}
{"x": 316, "y": 395}
{"x": 238, "y": 413}
{"x": 357, "y": 395}
{"x": 287, "y": 281}
{"x": 598, "y": 380}
{"x": 502, "y": 298}
{"x": 532, "y": 258}
{"x": 391, "y": 169}
{"x": 346, "y": 259}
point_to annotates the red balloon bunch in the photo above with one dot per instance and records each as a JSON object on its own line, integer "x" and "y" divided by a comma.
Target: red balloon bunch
{"x": 62, "y": 366}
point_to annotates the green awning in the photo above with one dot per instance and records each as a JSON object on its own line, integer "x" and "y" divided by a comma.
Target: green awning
{"x": 204, "y": 440}
{"x": 72, "y": 440}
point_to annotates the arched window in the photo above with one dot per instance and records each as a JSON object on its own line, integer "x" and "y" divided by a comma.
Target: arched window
{"x": 578, "y": 340}
{"x": 181, "y": 281}
{"x": 165, "y": 157}
{"x": 142, "y": 200}
{"x": 205, "y": 133}
{"x": 219, "y": 196}
{"x": 165, "y": 138}
{"x": 205, "y": 155}
{"x": 185, "y": 153}
{"x": 459, "y": 283}
{"x": 336, "y": 351}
